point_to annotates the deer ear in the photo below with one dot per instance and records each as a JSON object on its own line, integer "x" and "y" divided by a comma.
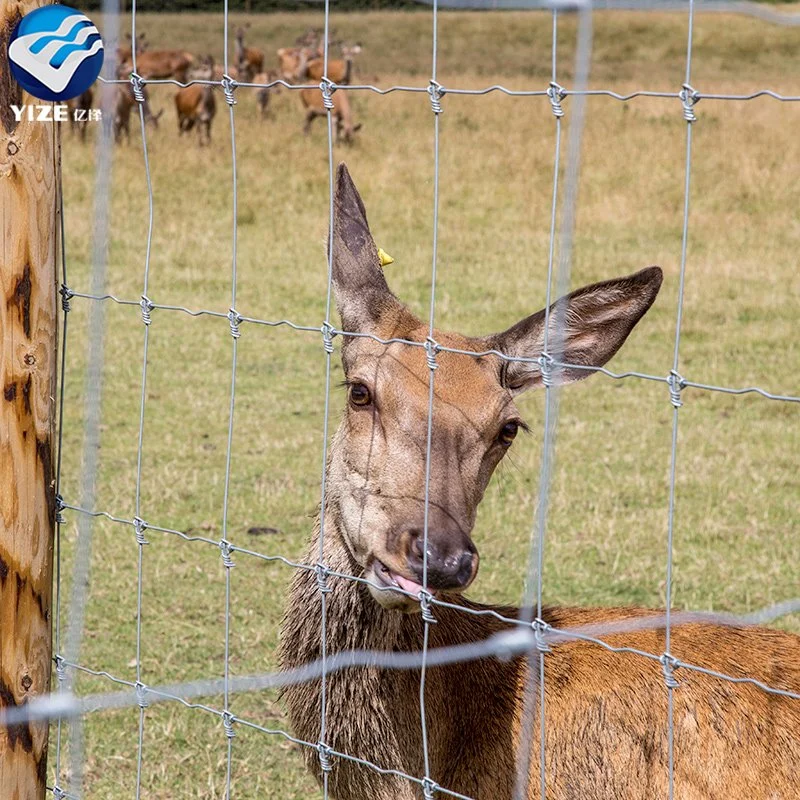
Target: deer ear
{"x": 587, "y": 327}
{"x": 362, "y": 294}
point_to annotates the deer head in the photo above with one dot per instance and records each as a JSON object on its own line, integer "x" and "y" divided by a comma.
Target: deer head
{"x": 378, "y": 457}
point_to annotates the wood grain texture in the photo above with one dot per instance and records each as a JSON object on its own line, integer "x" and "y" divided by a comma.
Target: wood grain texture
{"x": 28, "y": 248}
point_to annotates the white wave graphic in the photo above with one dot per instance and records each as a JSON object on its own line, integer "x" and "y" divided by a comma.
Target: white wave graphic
{"x": 38, "y": 64}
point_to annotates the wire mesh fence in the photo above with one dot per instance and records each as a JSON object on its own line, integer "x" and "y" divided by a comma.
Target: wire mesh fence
{"x": 529, "y": 634}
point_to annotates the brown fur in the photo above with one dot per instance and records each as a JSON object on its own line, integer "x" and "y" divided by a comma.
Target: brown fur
{"x": 195, "y": 105}
{"x": 249, "y": 60}
{"x": 159, "y": 64}
{"x": 301, "y": 65}
{"x": 342, "y": 113}
{"x": 82, "y": 102}
{"x": 606, "y": 713}
{"x": 124, "y": 103}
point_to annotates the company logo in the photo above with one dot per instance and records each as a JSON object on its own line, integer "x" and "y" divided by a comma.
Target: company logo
{"x": 55, "y": 53}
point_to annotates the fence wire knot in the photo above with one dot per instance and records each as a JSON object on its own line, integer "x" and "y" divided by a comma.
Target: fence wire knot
{"x": 328, "y": 332}
{"x": 322, "y": 573}
{"x": 428, "y": 788}
{"x": 234, "y": 320}
{"x": 147, "y": 306}
{"x": 66, "y": 294}
{"x": 61, "y": 669}
{"x": 668, "y": 665}
{"x": 228, "y": 87}
{"x": 431, "y": 349}
{"x": 59, "y": 793}
{"x": 425, "y": 606}
{"x": 540, "y": 630}
{"x": 327, "y": 87}
{"x": 436, "y": 92}
{"x": 227, "y": 722}
{"x": 324, "y": 757}
{"x": 556, "y": 93}
{"x": 226, "y": 548}
{"x": 137, "y": 86}
{"x": 676, "y": 383}
{"x": 141, "y": 694}
{"x": 140, "y": 526}
{"x": 546, "y": 362}
{"x": 690, "y": 98}
{"x": 59, "y": 508}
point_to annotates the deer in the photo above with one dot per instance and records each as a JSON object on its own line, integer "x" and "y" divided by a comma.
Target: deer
{"x": 263, "y": 93}
{"x": 606, "y": 713}
{"x": 299, "y": 64}
{"x": 124, "y": 53}
{"x": 124, "y": 103}
{"x": 160, "y": 64}
{"x": 249, "y": 60}
{"x": 195, "y": 104}
{"x": 342, "y": 113}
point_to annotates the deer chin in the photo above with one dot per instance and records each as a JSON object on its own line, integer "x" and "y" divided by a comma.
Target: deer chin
{"x": 383, "y": 580}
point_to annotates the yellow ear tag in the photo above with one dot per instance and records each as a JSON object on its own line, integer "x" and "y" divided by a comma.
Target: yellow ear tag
{"x": 385, "y": 258}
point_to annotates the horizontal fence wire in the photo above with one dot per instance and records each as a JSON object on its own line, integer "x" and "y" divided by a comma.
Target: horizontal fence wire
{"x": 526, "y": 635}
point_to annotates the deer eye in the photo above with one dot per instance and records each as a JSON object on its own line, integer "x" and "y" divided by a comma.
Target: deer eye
{"x": 508, "y": 433}
{"x": 360, "y": 394}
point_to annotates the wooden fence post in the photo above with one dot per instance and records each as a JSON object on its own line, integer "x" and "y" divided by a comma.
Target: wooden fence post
{"x": 29, "y": 153}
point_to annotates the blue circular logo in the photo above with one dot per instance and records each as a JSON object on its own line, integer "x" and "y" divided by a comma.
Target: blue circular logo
{"x": 55, "y": 53}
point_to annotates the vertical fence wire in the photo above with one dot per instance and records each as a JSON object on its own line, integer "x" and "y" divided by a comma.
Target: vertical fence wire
{"x": 675, "y": 386}
{"x": 234, "y": 320}
{"x": 327, "y": 328}
{"x": 146, "y": 306}
{"x": 424, "y": 597}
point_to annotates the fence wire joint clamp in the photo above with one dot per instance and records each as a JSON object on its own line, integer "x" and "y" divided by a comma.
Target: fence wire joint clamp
{"x": 322, "y": 573}
{"x": 327, "y": 87}
{"x": 226, "y": 548}
{"x": 141, "y": 694}
{"x": 137, "y": 86}
{"x": 690, "y": 98}
{"x": 324, "y": 757}
{"x": 546, "y": 364}
{"x": 228, "y": 87}
{"x": 140, "y": 526}
{"x": 227, "y": 722}
{"x": 676, "y": 384}
{"x": 234, "y": 320}
{"x": 540, "y": 630}
{"x": 59, "y": 793}
{"x": 429, "y": 787}
{"x": 61, "y": 669}
{"x": 425, "y": 598}
{"x": 432, "y": 347}
{"x": 556, "y": 93}
{"x": 436, "y": 92}
{"x": 147, "y": 306}
{"x": 59, "y": 508}
{"x": 66, "y": 294}
{"x": 328, "y": 332}
{"x": 668, "y": 665}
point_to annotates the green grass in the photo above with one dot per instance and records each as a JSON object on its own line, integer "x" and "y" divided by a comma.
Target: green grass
{"x": 736, "y": 535}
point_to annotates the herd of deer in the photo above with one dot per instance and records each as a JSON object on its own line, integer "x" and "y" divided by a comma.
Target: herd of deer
{"x": 196, "y": 106}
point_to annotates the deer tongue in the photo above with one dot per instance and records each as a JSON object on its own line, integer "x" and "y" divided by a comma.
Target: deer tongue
{"x": 412, "y": 587}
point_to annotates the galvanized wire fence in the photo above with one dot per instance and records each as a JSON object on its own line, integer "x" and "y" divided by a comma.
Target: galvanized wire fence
{"x": 529, "y": 634}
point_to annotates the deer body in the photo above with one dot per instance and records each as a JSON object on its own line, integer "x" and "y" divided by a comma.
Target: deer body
{"x": 606, "y": 713}
{"x": 160, "y": 64}
{"x": 342, "y": 113}
{"x": 124, "y": 103}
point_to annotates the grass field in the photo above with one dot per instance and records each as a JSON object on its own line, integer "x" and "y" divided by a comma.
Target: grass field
{"x": 737, "y": 542}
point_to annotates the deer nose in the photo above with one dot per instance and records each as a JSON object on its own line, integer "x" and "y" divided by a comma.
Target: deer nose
{"x": 452, "y": 558}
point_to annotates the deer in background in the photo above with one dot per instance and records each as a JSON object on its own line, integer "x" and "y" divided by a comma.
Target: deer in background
{"x": 342, "y": 113}
{"x": 606, "y": 712}
{"x": 249, "y": 60}
{"x": 125, "y": 52}
{"x": 79, "y": 112}
{"x": 160, "y": 64}
{"x": 195, "y": 104}
{"x": 301, "y": 65}
{"x": 124, "y": 103}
